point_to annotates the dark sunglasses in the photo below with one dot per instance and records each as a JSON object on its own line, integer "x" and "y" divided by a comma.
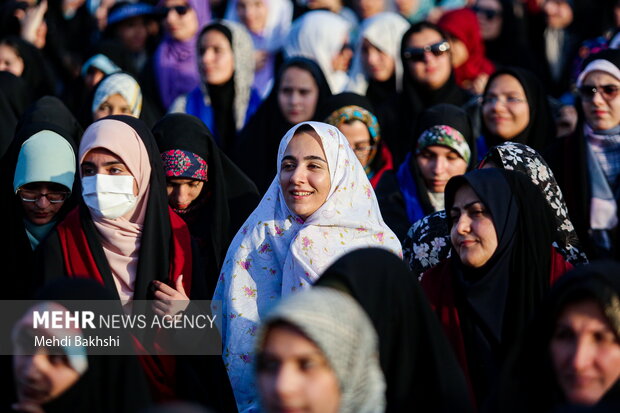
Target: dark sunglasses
{"x": 416, "y": 54}
{"x": 608, "y": 92}
{"x": 181, "y": 10}
{"x": 489, "y": 14}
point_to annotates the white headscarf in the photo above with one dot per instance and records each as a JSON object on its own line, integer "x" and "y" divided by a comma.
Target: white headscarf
{"x": 320, "y": 35}
{"x": 385, "y": 31}
{"x": 276, "y": 253}
{"x": 119, "y": 84}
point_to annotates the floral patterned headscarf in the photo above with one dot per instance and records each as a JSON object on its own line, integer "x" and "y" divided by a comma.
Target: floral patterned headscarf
{"x": 427, "y": 241}
{"x": 353, "y": 112}
{"x": 444, "y": 135}
{"x": 276, "y": 253}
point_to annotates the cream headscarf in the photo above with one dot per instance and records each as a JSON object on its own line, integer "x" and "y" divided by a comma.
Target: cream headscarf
{"x": 276, "y": 253}
{"x": 120, "y": 237}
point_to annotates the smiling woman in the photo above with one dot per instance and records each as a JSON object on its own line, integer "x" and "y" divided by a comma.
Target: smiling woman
{"x": 502, "y": 264}
{"x": 319, "y": 206}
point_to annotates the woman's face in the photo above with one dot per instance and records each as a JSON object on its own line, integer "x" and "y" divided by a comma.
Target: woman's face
{"x": 505, "y": 110}
{"x": 438, "y": 164}
{"x": 42, "y": 210}
{"x": 358, "y": 136}
{"x": 182, "y": 192}
{"x": 368, "y": 8}
{"x": 181, "y": 22}
{"x": 473, "y": 232}
{"x": 298, "y": 95}
{"x": 113, "y": 105}
{"x": 253, "y": 14}
{"x": 489, "y": 13}
{"x": 304, "y": 174}
{"x": 379, "y": 65}
{"x": 100, "y": 161}
{"x": 425, "y": 67}
{"x": 294, "y": 375}
{"x": 602, "y": 110}
{"x": 585, "y": 353}
{"x": 41, "y": 377}
{"x": 10, "y": 60}
{"x": 218, "y": 61}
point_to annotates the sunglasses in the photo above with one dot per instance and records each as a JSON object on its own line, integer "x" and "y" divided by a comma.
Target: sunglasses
{"x": 608, "y": 92}
{"x": 489, "y": 14}
{"x": 416, "y": 54}
{"x": 180, "y": 10}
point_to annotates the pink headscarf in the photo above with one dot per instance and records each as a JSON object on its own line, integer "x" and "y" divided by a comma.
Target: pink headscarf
{"x": 120, "y": 237}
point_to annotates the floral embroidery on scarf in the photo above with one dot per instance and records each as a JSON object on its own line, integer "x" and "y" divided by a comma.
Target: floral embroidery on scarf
{"x": 185, "y": 164}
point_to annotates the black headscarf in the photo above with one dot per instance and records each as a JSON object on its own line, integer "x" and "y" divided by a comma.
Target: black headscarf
{"x": 419, "y": 365}
{"x": 415, "y": 98}
{"x": 260, "y": 137}
{"x": 528, "y": 381}
{"x": 37, "y": 72}
{"x": 496, "y": 300}
{"x": 48, "y": 113}
{"x": 111, "y": 383}
{"x": 540, "y": 131}
{"x": 227, "y": 198}
{"x": 14, "y": 96}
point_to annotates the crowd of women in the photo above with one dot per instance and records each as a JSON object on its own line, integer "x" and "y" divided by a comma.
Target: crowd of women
{"x": 393, "y": 206}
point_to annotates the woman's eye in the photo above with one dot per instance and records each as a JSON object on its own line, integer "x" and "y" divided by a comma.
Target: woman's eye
{"x": 306, "y": 365}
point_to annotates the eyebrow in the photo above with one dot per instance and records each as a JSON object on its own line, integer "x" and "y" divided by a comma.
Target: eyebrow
{"x": 306, "y": 158}
{"x": 466, "y": 206}
{"x": 115, "y": 162}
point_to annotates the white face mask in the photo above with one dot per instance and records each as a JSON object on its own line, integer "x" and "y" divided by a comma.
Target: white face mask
{"x": 109, "y": 196}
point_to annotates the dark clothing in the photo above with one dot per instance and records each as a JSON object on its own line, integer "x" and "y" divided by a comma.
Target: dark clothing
{"x": 420, "y": 368}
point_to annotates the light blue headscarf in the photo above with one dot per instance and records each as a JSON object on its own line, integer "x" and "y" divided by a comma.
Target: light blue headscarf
{"x": 119, "y": 84}
{"x": 45, "y": 157}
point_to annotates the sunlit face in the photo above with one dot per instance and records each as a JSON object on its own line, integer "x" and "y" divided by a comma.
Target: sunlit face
{"x": 585, "y": 353}
{"x": 601, "y": 113}
{"x": 304, "y": 174}
{"x": 559, "y": 13}
{"x": 10, "y": 61}
{"x": 182, "y": 27}
{"x": 406, "y": 7}
{"x": 182, "y": 192}
{"x": 490, "y": 18}
{"x": 42, "y": 377}
{"x": 473, "y": 232}
{"x": 438, "y": 164}
{"x": 368, "y": 8}
{"x": 132, "y": 33}
{"x": 459, "y": 54}
{"x": 41, "y": 211}
{"x": 505, "y": 110}
{"x": 113, "y": 105}
{"x": 379, "y": 65}
{"x": 358, "y": 136}
{"x": 218, "y": 61}
{"x": 253, "y": 13}
{"x": 294, "y": 375}
{"x": 331, "y": 5}
{"x": 99, "y": 161}
{"x": 298, "y": 95}
{"x": 434, "y": 71}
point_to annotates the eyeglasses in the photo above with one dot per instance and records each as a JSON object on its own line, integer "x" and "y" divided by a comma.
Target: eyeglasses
{"x": 416, "y": 54}
{"x": 608, "y": 92}
{"x": 180, "y": 10}
{"x": 508, "y": 100}
{"x": 33, "y": 196}
{"x": 489, "y": 14}
{"x": 360, "y": 150}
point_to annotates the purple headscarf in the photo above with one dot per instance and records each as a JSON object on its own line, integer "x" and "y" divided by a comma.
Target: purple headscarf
{"x": 175, "y": 61}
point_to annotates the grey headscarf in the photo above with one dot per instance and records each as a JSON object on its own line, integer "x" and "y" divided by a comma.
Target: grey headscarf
{"x": 336, "y": 323}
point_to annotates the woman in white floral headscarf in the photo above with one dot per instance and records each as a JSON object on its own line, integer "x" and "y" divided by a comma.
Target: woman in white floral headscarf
{"x": 319, "y": 207}
{"x": 427, "y": 241}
